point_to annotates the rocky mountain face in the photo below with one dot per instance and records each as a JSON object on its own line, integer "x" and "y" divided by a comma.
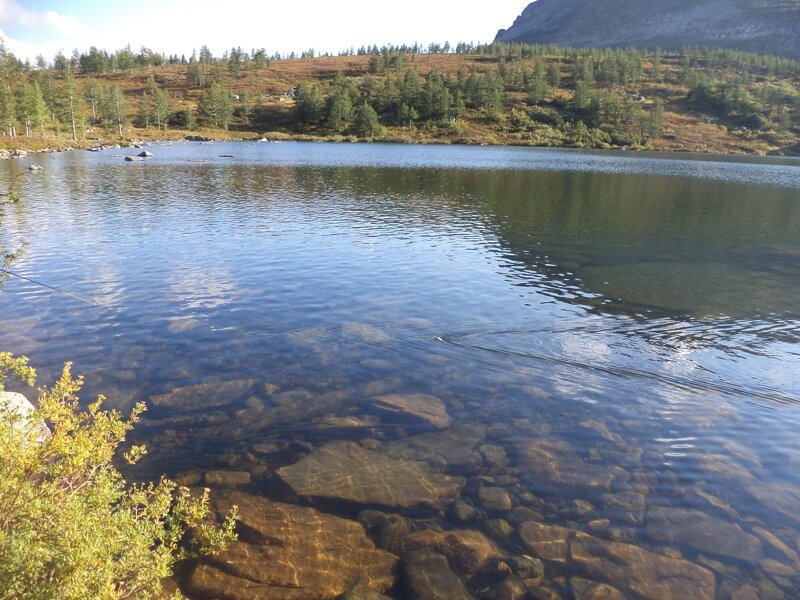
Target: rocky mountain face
{"x": 765, "y": 26}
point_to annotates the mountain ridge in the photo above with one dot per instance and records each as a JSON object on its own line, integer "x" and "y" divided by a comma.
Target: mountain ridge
{"x": 763, "y": 26}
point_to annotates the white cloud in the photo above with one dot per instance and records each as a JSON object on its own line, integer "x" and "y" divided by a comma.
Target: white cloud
{"x": 57, "y": 28}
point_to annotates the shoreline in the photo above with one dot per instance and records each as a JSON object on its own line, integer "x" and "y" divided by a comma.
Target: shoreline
{"x": 57, "y": 145}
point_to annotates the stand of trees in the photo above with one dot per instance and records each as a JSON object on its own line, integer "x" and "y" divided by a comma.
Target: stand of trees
{"x": 545, "y": 94}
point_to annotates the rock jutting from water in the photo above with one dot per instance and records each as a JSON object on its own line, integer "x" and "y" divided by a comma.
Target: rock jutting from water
{"x": 345, "y": 471}
{"x": 290, "y": 552}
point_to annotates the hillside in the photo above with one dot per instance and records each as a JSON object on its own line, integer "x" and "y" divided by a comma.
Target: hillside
{"x": 703, "y": 101}
{"x": 768, "y": 26}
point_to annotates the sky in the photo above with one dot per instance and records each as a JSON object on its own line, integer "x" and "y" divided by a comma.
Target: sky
{"x": 31, "y": 27}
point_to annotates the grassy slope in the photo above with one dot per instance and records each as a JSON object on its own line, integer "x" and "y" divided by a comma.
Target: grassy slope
{"x": 684, "y": 130}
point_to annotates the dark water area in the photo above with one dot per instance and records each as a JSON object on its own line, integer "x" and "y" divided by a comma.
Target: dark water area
{"x": 477, "y": 372}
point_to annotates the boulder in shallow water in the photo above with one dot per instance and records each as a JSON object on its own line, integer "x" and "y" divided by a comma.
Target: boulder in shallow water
{"x": 703, "y": 532}
{"x": 553, "y": 463}
{"x": 454, "y": 450}
{"x": 546, "y": 542}
{"x": 133, "y": 159}
{"x": 35, "y": 168}
{"x": 345, "y": 471}
{"x": 414, "y": 407}
{"x": 583, "y": 589}
{"x": 290, "y": 552}
{"x": 145, "y": 154}
{"x": 427, "y": 576}
{"x": 639, "y": 572}
{"x": 204, "y": 396}
{"x": 466, "y": 550}
{"x": 21, "y": 410}
{"x": 362, "y": 332}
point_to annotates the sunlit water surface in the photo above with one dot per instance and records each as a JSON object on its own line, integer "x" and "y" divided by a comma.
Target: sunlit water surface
{"x": 617, "y": 330}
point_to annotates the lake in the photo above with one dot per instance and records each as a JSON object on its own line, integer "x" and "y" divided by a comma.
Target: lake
{"x": 419, "y": 370}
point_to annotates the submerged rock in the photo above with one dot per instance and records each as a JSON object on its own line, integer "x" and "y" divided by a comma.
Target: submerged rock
{"x": 703, "y": 532}
{"x": 546, "y": 542}
{"x": 416, "y": 407}
{"x": 290, "y": 552}
{"x": 640, "y": 572}
{"x": 427, "y": 576}
{"x": 364, "y": 333}
{"x": 205, "y": 395}
{"x": 583, "y": 589}
{"x": 494, "y": 498}
{"x": 454, "y": 450}
{"x": 466, "y": 550}
{"x": 227, "y": 479}
{"x": 345, "y": 471}
{"x": 632, "y": 569}
{"x": 383, "y": 528}
{"x": 554, "y": 463}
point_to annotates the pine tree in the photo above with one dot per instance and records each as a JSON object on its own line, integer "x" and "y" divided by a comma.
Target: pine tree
{"x": 407, "y": 114}
{"x": 310, "y": 103}
{"x": 163, "y": 106}
{"x": 366, "y": 121}
{"x": 114, "y": 110}
{"x": 216, "y": 106}
{"x": 35, "y": 109}
{"x": 554, "y": 75}
{"x": 8, "y": 108}
{"x": 340, "y": 110}
{"x": 246, "y": 106}
{"x": 537, "y": 90}
{"x": 71, "y": 106}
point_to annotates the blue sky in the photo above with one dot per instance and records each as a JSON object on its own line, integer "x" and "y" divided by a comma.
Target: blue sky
{"x": 30, "y": 27}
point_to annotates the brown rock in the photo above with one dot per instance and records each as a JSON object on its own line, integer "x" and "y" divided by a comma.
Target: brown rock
{"x": 494, "y": 498}
{"x": 641, "y": 573}
{"x": 703, "y": 532}
{"x": 553, "y": 462}
{"x": 345, "y": 471}
{"x": 466, "y": 550}
{"x": 427, "y": 576}
{"x": 778, "y": 545}
{"x": 546, "y": 541}
{"x": 227, "y": 479}
{"x": 416, "y": 407}
{"x": 773, "y": 567}
{"x": 454, "y": 450}
{"x": 583, "y": 589}
{"x": 290, "y": 552}
{"x": 205, "y": 395}
{"x": 746, "y": 592}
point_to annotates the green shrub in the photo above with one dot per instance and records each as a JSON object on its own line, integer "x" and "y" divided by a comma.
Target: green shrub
{"x": 70, "y": 526}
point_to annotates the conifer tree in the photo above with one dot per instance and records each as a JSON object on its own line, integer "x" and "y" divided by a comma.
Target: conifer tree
{"x": 366, "y": 121}
{"x": 35, "y": 109}
{"x": 71, "y": 106}
{"x": 216, "y": 106}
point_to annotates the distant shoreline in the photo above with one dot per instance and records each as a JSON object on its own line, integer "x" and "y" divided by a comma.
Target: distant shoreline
{"x": 59, "y": 145}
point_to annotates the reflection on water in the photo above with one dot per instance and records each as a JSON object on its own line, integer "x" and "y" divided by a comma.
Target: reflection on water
{"x": 464, "y": 371}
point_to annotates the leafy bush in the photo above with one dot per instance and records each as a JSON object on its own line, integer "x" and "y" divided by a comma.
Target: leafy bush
{"x": 70, "y": 526}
